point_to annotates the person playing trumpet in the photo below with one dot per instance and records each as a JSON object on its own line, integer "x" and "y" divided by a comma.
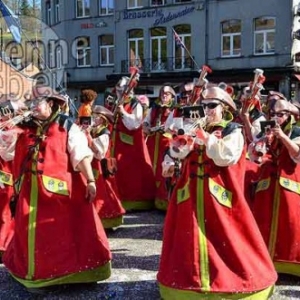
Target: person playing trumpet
{"x": 157, "y": 142}
{"x": 209, "y": 226}
{"x": 275, "y": 204}
{"x": 58, "y": 238}
{"x": 135, "y": 178}
{"x": 107, "y": 202}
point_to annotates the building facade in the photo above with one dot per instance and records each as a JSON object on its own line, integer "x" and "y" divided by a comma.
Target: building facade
{"x": 170, "y": 40}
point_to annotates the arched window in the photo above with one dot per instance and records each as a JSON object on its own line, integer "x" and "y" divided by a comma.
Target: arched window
{"x": 158, "y": 48}
{"x": 182, "y": 46}
{"x": 107, "y": 49}
{"x": 264, "y": 35}
{"x": 83, "y": 52}
{"x": 231, "y": 38}
{"x": 136, "y": 47}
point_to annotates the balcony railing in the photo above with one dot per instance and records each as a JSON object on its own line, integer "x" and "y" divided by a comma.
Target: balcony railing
{"x": 169, "y": 64}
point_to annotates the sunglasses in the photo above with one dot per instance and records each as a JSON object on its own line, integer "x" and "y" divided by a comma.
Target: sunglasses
{"x": 210, "y": 105}
{"x": 278, "y": 114}
{"x": 38, "y": 101}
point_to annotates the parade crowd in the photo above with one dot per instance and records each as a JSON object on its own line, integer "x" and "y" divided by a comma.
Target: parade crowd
{"x": 224, "y": 169}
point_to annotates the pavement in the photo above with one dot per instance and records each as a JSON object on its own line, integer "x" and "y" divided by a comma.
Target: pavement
{"x": 136, "y": 247}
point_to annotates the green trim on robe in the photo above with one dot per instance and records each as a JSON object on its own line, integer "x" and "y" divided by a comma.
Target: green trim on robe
{"x": 137, "y": 205}
{"x": 161, "y": 204}
{"x": 274, "y": 224}
{"x": 94, "y": 275}
{"x": 112, "y": 222}
{"x": 33, "y": 207}
{"x": 287, "y": 268}
{"x": 174, "y": 294}
{"x": 203, "y": 243}
{"x": 156, "y": 151}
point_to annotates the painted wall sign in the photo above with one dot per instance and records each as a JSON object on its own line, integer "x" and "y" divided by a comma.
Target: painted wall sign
{"x": 171, "y": 16}
{"x": 158, "y": 14}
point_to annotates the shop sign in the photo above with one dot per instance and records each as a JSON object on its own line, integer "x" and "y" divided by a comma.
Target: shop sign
{"x": 158, "y": 14}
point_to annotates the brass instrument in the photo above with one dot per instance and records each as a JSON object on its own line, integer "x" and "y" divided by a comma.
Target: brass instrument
{"x": 131, "y": 84}
{"x": 251, "y": 97}
{"x": 264, "y": 141}
{"x": 11, "y": 122}
{"x": 156, "y": 128}
{"x": 199, "y": 85}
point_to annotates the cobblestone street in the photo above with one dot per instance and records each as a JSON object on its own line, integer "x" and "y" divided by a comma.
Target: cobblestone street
{"x": 136, "y": 248}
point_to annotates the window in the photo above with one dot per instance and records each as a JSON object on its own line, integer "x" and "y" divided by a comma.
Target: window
{"x": 57, "y": 15}
{"x": 134, "y": 3}
{"x": 83, "y": 52}
{"x": 82, "y": 8}
{"x": 264, "y": 36}
{"x": 158, "y": 48}
{"x": 158, "y": 2}
{"x": 48, "y": 13}
{"x": 182, "y": 59}
{"x": 106, "y": 50}
{"x": 106, "y": 7}
{"x": 136, "y": 47}
{"x": 231, "y": 38}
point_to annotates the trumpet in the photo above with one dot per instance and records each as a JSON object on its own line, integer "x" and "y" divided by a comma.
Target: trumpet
{"x": 129, "y": 86}
{"x": 200, "y": 84}
{"x": 189, "y": 129}
{"x": 12, "y": 122}
{"x": 157, "y": 128}
{"x": 254, "y": 88}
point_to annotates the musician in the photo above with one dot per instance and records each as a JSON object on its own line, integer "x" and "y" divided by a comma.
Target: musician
{"x": 145, "y": 102}
{"x": 135, "y": 178}
{"x": 251, "y": 115}
{"x": 107, "y": 202}
{"x": 275, "y": 204}
{"x": 157, "y": 142}
{"x": 212, "y": 247}
{"x": 58, "y": 238}
{"x": 109, "y": 100}
{"x": 185, "y": 93}
{"x": 6, "y": 191}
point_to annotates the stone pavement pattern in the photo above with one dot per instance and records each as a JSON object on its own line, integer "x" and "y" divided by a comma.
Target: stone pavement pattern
{"x": 136, "y": 248}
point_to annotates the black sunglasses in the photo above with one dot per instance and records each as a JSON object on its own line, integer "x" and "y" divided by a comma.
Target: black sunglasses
{"x": 210, "y": 105}
{"x": 278, "y": 114}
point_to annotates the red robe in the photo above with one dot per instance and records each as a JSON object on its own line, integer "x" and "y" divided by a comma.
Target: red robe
{"x": 59, "y": 237}
{"x": 107, "y": 202}
{"x": 135, "y": 178}
{"x": 6, "y": 221}
{"x": 276, "y": 209}
{"x": 212, "y": 247}
{"x": 157, "y": 145}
